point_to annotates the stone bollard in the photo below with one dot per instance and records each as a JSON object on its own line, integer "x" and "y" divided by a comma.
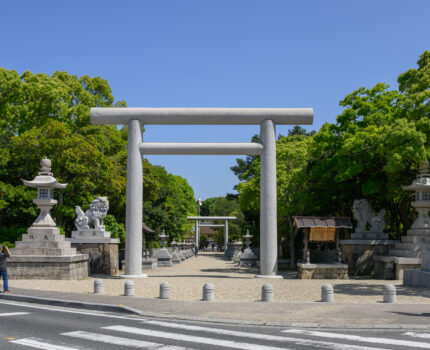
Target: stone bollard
{"x": 389, "y": 293}
{"x": 164, "y": 290}
{"x": 99, "y": 286}
{"x": 267, "y": 292}
{"x": 129, "y": 288}
{"x": 327, "y": 295}
{"x": 208, "y": 292}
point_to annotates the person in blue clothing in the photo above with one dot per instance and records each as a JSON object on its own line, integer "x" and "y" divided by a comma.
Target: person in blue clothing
{"x": 3, "y": 266}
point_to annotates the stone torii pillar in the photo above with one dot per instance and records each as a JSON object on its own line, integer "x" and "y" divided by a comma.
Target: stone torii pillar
{"x": 225, "y": 234}
{"x": 196, "y": 233}
{"x": 267, "y": 118}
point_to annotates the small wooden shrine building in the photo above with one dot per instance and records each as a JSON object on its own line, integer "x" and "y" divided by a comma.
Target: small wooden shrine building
{"x": 321, "y": 230}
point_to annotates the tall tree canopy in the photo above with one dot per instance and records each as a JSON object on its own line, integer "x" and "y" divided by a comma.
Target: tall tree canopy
{"x": 373, "y": 149}
{"x": 42, "y": 115}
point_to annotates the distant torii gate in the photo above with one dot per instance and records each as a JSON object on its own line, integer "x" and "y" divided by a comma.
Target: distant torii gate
{"x": 267, "y": 118}
{"x": 214, "y": 218}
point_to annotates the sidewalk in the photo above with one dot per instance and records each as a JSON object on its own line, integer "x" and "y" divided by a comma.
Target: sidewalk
{"x": 309, "y": 315}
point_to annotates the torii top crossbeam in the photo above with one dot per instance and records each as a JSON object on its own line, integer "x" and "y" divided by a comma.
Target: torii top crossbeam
{"x": 202, "y": 116}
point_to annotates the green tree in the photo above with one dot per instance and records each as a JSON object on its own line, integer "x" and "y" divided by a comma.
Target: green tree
{"x": 168, "y": 200}
{"x": 374, "y": 148}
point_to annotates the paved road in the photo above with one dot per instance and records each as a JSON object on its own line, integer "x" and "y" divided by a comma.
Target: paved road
{"x": 26, "y": 326}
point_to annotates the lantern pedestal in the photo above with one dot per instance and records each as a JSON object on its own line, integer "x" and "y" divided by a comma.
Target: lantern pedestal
{"x": 44, "y": 253}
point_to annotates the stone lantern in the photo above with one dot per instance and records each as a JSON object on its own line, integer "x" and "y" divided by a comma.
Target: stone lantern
{"x": 421, "y": 186}
{"x": 44, "y": 253}
{"x": 421, "y": 226}
{"x": 162, "y": 255}
{"x": 248, "y": 258}
{"x": 45, "y": 184}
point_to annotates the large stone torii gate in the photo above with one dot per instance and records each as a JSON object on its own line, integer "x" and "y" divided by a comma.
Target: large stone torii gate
{"x": 267, "y": 118}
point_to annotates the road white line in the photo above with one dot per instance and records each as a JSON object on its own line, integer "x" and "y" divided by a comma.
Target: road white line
{"x": 89, "y": 313}
{"x": 259, "y": 336}
{"x": 109, "y": 339}
{"x": 385, "y": 341}
{"x": 14, "y": 314}
{"x": 418, "y": 335}
{"x": 39, "y": 344}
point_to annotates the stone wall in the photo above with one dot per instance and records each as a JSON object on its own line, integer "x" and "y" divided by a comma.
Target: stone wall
{"x": 322, "y": 271}
{"x": 389, "y": 268}
{"x": 360, "y": 257}
{"x": 103, "y": 257}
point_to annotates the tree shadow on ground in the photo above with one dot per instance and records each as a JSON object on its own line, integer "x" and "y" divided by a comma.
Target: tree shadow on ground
{"x": 424, "y": 314}
{"x": 200, "y": 276}
{"x": 233, "y": 270}
{"x": 377, "y": 289}
{"x": 215, "y": 255}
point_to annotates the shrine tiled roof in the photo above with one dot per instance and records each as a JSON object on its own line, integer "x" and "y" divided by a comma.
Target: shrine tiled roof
{"x": 146, "y": 228}
{"x": 321, "y": 221}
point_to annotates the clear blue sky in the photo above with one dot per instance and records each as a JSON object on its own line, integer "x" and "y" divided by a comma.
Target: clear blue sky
{"x": 219, "y": 53}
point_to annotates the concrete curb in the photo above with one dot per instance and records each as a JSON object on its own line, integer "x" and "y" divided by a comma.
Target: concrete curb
{"x": 72, "y": 304}
{"x": 129, "y": 310}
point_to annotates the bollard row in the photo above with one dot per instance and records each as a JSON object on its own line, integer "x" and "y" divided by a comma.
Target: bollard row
{"x": 267, "y": 291}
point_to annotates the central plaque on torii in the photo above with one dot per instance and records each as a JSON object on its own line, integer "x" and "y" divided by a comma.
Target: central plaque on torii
{"x": 267, "y": 118}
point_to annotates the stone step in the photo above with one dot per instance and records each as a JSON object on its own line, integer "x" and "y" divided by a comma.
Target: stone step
{"x": 412, "y": 239}
{"x": 93, "y": 233}
{"x": 43, "y": 244}
{"x": 369, "y": 235}
{"x": 409, "y": 246}
{"x": 44, "y": 251}
{"x": 405, "y": 253}
{"x": 27, "y": 237}
{"x": 53, "y": 230}
{"x": 418, "y": 232}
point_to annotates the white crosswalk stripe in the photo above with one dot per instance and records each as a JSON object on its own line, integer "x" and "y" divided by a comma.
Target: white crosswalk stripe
{"x": 259, "y": 336}
{"x": 418, "y": 335}
{"x": 36, "y": 343}
{"x": 236, "y": 344}
{"x": 357, "y": 338}
{"x": 103, "y": 338}
{"x": 4, "y": 314}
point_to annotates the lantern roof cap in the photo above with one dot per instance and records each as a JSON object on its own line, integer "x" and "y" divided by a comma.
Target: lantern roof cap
{"x": 44, "y": 181}
{"x": 422, "y": 182}
{"x": 45, "y": 177}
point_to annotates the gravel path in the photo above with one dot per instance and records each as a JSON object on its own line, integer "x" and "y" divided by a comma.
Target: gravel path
{"x": 232, "y": 283}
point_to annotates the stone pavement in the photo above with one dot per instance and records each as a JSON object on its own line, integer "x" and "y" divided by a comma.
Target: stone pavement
{"x": 358, "y": 303}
